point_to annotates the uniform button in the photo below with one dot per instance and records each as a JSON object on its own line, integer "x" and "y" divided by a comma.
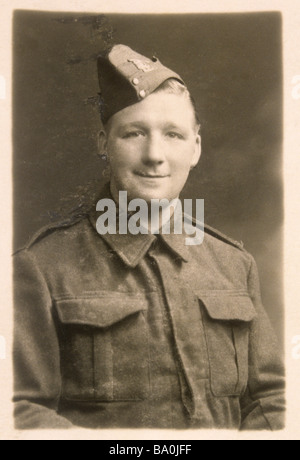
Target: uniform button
{"x": 135, "y": 81}
{"x": 143, "y": 93}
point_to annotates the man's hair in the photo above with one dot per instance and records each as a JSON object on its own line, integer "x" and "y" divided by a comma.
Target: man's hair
{"x": 170, "y": 86}
{"x": 173, "y": 86}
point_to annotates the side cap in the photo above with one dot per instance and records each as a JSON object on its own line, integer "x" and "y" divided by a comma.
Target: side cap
{"x": 127, "y": 77}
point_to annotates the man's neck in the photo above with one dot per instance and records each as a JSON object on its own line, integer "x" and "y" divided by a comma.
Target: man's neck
{"x": 156, "y": 217}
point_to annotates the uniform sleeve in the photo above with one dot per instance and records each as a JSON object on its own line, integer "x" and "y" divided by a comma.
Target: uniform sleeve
{"x": 263, "y": 405}
{"x": 36, "y": 351}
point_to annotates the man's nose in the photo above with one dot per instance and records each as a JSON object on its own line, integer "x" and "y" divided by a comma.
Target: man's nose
{"x": 154, "y": 150}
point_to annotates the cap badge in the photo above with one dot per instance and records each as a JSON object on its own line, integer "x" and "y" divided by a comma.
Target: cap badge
{"x": 141, "y": 65}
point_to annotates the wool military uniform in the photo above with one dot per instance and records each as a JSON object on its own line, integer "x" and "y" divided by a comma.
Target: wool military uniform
{"x": 142, "y": 331}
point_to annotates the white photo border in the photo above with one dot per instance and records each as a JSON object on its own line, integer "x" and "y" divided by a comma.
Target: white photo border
{"x": 291, "y": 48}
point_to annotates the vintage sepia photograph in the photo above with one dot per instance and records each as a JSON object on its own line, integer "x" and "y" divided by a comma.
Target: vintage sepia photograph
{"x": 150, "y": 212}
{"x": 148, "y": 221}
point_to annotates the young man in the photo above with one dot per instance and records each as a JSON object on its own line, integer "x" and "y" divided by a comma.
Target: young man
{"x": 141, "y": 330}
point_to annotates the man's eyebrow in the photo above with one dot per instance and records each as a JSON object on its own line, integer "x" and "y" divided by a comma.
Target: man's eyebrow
{"x": 171, "y": 125}
{"x": 176, "y": 127}
{"x": 167, "y": 125}
{"x": 132, "y": 124}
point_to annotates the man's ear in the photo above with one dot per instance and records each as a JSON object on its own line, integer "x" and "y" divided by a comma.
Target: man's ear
{"x": 197, "y": 153}
{"x": 102, "y": 142}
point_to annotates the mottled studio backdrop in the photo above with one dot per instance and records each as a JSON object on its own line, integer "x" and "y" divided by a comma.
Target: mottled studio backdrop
{"x": 233, "y": 66}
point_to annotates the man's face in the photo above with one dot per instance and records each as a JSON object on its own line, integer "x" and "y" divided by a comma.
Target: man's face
{"x": 152, "y": 146}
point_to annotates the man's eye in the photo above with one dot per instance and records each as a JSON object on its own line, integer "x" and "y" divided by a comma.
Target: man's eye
{"x": 174, "y": 135}
{"x": 132, "y": 134}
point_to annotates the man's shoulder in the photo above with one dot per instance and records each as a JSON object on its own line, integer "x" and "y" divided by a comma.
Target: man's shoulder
{"x": 213, "y": 235}
{"x": 54, "y": 231}
{"x": 219, "y": 236}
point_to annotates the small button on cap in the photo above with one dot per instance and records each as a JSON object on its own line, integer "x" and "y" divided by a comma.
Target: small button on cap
{"x": 135, "y": 81}
{"x": 143, "y": 93}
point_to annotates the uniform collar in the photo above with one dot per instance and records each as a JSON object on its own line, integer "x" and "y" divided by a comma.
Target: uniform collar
{"x": 132, "y": 248}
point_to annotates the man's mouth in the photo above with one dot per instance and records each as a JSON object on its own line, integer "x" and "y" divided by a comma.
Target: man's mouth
{"x": 151, "y": 175}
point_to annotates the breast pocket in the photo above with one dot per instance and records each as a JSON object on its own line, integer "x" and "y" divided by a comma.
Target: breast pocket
{"x": 104, "y": 347}
{"x": 227, "y": 318}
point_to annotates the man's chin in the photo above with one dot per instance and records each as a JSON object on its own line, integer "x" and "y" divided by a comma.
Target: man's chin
{"x": 154, "y": 195}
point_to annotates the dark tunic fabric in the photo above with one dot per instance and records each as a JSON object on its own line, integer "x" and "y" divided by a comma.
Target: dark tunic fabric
{"x": 142, "y": 331}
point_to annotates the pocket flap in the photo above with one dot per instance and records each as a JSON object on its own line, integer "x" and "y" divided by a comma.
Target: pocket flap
{"x": 229, "y": 307}
{"x": 102, "y": 311}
